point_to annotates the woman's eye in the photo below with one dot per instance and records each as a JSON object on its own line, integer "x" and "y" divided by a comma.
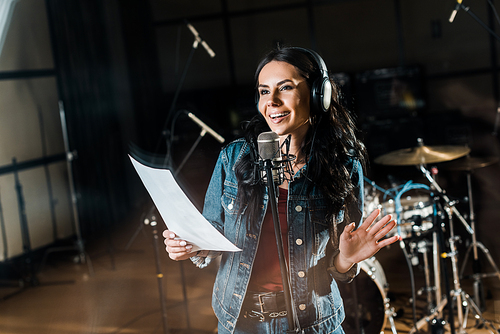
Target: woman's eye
{"x": 287, "y": 87}
{"x": 263, "y": 92}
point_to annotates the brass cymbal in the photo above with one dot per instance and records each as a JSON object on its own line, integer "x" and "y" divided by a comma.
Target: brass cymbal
{"x": 421, "y": 155}
{"x": 470, "y": 163}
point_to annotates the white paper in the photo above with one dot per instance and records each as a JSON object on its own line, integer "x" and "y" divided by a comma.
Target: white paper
{"x": 178, "y": 212}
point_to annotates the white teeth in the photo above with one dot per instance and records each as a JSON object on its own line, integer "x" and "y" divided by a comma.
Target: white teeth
{"x": 279, "y": 115}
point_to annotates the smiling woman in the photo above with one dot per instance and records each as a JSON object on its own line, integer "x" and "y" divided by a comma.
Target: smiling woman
{"x": 296, "y": 99}
{"x": 284, "y": 100}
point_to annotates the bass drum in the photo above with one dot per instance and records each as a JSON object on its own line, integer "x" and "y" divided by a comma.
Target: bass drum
{"x": 364, "y": 300}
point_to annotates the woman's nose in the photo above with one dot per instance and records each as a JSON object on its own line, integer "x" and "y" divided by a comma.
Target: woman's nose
{"x": 273, "y": 100}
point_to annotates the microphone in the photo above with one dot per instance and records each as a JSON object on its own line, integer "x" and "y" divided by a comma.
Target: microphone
{"x": 455, "y": 11}
{"x": 205, "y": 128}
{"x": 269, "y": 150}
{"x": 198, "y": 39}
{"x": 497, "y": 119}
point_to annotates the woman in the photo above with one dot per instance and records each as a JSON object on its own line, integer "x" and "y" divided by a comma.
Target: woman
{"x": 324, "y": 185}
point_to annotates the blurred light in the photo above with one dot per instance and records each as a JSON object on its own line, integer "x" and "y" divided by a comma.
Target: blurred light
{"x": 6, "y": 10}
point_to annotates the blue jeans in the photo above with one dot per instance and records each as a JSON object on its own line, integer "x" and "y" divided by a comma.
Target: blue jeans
{"x": 253, "y": 326}
{"x": 273, "y": 326}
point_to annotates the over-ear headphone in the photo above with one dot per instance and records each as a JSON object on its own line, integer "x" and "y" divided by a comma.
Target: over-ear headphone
{"x": 321, "y": 90}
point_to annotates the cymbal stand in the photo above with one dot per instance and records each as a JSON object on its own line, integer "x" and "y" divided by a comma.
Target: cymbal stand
{"x": 390, "y": 313}
{"x": 422, "y": 247}
{"x": 442, "y": 194}
{"x": 436, "y": 308}
{"x": 476, "y": 266}
{"x": 462, "y": 298}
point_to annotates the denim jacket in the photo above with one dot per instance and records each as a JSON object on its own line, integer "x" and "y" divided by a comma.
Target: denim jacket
{"x": 315, "y": 294}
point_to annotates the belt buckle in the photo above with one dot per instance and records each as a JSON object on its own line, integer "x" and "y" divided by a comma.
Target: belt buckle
{"x": 255, "y": 314}
{"x": 261, "y": 303}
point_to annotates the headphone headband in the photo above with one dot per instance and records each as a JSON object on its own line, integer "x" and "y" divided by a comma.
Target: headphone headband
{"x": 321, "y": 91}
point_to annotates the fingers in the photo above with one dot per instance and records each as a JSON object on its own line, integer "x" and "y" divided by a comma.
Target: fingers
{"x": 177, "y": 249}
{"x": 370, "y": 219}
{"x": 382, "y": 227}
{"x": 349, "y": 228}
{"x": 389, "y": 241}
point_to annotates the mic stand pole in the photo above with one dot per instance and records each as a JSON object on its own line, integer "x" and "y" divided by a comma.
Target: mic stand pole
{"x": 82, "y": 256}
{"x": 155, "y": 233}
{"x": 159, "y": 274}
{"x": 268, "y": 165}
{"x": 494, "y": 35}
{"x": 179, "y": 86}
{"x": 478, "y": 20}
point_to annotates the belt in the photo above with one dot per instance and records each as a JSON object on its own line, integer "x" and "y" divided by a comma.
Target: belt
{"x": 264, "y": 305}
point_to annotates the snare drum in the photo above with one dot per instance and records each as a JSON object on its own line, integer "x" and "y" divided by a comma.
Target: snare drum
{"x": 364, "y": 299}
{"x": 371, "y": 199}
{"x": 416, "y": 215}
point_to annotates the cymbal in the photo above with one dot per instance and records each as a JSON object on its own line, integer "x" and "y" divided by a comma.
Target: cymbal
{"x": 421, "y": 155}
{"x": 470, "y": 163}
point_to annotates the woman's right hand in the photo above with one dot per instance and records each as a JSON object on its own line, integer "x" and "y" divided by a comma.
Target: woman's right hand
{"x": 177, "y": 249}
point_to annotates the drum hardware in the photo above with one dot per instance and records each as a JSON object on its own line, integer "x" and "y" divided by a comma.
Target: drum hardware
{"x": 422, "y": 155}
{"x": 463, "y": 300}
{"x": 460, "y": 299}
{"x": 469, "y": 164}
{"x": 367, "y": 312}
{"x": 434, "y": 313}
{"x": 442, "y": 194}
{"x": 390, "y": 313}
{"x": 422, "y": 247}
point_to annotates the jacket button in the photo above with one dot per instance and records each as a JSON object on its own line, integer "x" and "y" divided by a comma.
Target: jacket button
{"x": 298, "y": 208}
{"x": 298, "y": 241}
{"x": 301, "y": 274}
{"x": 302, "y": 307}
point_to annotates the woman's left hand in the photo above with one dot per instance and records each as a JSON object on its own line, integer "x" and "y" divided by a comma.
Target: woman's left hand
{"x": 364, "y": 242}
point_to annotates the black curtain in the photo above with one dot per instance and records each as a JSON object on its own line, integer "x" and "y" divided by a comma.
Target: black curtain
{"x": 82, "y": 62}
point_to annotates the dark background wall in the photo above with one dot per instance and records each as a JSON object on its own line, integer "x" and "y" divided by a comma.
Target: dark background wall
{"x": 406, "y": 73}
{"x": 387, "y": 52}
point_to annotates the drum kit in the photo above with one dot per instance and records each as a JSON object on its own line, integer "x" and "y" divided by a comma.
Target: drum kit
{"x": 424, "y": 215}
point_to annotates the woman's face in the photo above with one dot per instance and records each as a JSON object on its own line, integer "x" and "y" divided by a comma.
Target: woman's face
{"x": 284, "y": 99}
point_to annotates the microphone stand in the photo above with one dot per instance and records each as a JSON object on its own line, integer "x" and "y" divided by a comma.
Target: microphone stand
{"x": 475, "y": 17}
{"x": 271, "y": 186}
{"x": 466, "y": 9}
{"x": 195, "y": 45}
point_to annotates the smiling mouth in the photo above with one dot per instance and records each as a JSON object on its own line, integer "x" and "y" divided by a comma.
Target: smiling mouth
{"x": 279, "y": 115}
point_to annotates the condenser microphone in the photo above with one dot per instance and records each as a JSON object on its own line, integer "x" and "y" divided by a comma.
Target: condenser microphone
{"x": 455, "y": 11}
{"x": 205, "y": 128}
{"x": 198, "y": 39}
{"x": 269, "y": 150}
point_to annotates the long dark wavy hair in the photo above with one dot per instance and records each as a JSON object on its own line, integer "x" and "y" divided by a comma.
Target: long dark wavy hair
{"x": 328, "y": 146}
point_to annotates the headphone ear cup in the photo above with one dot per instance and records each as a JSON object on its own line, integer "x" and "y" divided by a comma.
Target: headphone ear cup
{"x": 257, "y": 97}
{"x": 321, "y": 94}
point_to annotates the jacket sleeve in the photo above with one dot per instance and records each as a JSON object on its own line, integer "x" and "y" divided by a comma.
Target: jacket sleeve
{"x": 358, "y": 179}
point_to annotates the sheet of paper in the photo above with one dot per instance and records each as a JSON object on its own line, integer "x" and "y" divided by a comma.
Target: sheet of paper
{"x": 178, "y": 212}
